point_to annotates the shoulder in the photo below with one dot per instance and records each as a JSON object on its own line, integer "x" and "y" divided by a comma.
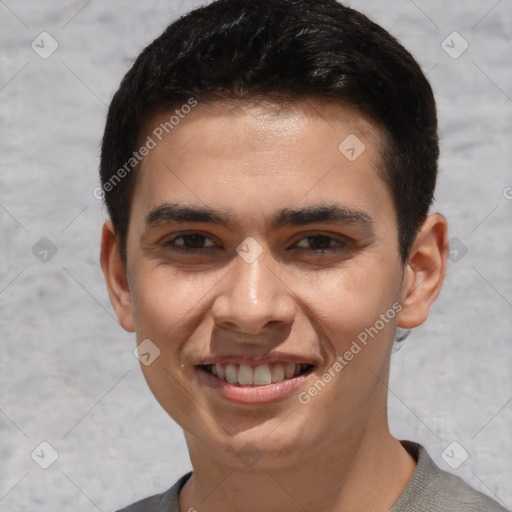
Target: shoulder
{"x": 431, "y": 488}
{"x": 165, "y": 502}
{"x": 146, "y": 505}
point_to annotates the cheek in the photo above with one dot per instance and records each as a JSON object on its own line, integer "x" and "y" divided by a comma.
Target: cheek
{"x": 349, "y": 300}
{"x": 164, "y": 301}
{"x": 356, "y": 310}
{"x": 163, "y": 305}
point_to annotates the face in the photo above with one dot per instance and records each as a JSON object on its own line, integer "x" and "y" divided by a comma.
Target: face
{"x": 263, "y": 264}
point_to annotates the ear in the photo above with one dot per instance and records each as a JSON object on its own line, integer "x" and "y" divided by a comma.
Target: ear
{"x": 424, "y": 272}
{"x": 116, "y": 277}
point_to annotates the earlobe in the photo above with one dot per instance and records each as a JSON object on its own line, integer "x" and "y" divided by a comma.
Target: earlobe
{"x": 116, "y": 278}
{"x": 424, "y": 272}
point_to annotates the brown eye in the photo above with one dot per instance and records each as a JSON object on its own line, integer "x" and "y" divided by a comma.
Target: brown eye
{"x": 192, "y": 242}
{"x": 321, "y": 244}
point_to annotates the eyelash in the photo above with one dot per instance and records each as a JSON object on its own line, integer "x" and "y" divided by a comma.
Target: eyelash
{"x": 341, "y": 244}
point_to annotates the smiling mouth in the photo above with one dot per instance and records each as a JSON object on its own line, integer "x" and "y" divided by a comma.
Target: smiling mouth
{"x": 260, "y": 375}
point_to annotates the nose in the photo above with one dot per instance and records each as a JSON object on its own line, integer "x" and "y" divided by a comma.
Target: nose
{"x": 252, "y": 299}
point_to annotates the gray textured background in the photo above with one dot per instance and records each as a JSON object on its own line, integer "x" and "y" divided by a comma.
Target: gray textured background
{"x": 67, "y": 372}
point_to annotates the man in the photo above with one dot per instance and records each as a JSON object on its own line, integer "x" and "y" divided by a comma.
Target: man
{"x": 268, "y": 168}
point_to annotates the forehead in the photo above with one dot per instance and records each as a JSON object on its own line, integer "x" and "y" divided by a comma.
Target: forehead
{"x": 261, "y": 123}
{"x": 284, "y": 152}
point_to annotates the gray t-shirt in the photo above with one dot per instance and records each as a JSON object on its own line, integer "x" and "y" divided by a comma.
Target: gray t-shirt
{"x": 429, "y": 490}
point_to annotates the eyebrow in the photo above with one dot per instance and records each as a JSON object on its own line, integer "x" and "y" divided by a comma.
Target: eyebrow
{"x": 332, "y": 213}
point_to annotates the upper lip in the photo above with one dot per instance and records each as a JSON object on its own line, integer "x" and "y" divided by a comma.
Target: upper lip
{"x": 271, "y": 358}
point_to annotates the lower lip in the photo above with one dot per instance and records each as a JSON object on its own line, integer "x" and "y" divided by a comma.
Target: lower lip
{"x": 252, "y": 394}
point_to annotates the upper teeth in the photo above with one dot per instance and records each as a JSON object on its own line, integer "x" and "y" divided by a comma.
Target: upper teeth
{"x": 245, "y": 374}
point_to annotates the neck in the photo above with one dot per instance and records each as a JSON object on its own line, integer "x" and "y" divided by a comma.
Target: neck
{"x": 367, "y": 473}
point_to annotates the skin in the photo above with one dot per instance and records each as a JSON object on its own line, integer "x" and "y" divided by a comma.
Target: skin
{"x": 250, "y": 161}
